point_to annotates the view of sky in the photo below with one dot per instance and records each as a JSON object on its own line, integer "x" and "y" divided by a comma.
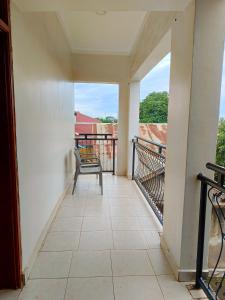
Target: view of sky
{"x": 158, "y": 79}
{"x": 101, "y": 100}
{"x": 97, "y": 99}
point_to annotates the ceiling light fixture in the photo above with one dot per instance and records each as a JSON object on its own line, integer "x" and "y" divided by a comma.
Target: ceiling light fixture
{"x": 100, "y": 12}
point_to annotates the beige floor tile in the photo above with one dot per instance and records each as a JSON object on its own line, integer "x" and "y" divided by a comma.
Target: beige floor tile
{"x": 147, "y": 223}
{"x": 142, "y": 212}
{"x": 97, "y": 202}
{"x": 137, "y": 288}
{"x": 96, "y": 211}
{"x": 9, "y": 294}
{"x": 91, "y": 264}
{"x": 172, "y": 289}
{"x": 129, "y": 240}
{"x": 122, "y": 211}
{"x": 72, "y": 201}
{"x": 71, "y": 211}
{"x": 96, "y": 240}
{"x": 52, "y": 265}
{"x": 44, "y": 289}
{"x": 96, "y": 223}
{"x": 67, "y": 224}
{"x": 125, "y": 223}
{"x": 99, "y": 288}
{"x": 61, "y": 241}
{"x": 196, "y": 294}
{"x": 131, "y": 262}
{"x": 152, "y": 238}
{"x": 159, "y": 262}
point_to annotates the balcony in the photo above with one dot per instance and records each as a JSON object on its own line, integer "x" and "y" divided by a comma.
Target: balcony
{"x": 103, "y": 247}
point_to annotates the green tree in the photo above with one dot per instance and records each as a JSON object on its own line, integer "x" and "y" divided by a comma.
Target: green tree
{"x": 108, "y": 119}
{"x": 220, "y": 149}
{"x": 154, "y": 108}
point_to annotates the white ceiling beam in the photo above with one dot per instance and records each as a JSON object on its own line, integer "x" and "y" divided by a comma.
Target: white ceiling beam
{"x": 155, "y": 27}
{"x": 95, "y": 5}
{"x": 159, "y": 52}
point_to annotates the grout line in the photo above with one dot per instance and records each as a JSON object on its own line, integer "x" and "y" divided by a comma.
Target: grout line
{"x": 64, "y": 297}
{"x": 160, "y": 287}
{"x": 78, "y": 247}
{"x": 113, "y": 284}
{"x": 98, "y": 276}
{"x": 150, "y": 261}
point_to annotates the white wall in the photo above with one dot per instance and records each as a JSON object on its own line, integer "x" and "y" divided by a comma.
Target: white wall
{"x": 44, "y": 115}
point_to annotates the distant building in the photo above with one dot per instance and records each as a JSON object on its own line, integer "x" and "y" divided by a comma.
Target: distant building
{"x": 153, "y": 131}
{"x": 85, "y": 124}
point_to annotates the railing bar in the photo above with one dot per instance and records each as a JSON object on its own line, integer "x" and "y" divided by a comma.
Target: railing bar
{"x": 150, "y": 142}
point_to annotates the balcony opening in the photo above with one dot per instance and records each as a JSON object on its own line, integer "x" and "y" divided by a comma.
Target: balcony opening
{"x": 96, "y": 122}
{"x": 151, "y": 144}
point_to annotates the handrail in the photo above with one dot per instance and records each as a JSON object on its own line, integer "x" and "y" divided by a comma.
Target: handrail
{"x": 95, "y": 139}
{"x": 161, "y": 147}
{"x": 94, "y": 134}
{"x": 213, "y": 194}
{"x": 151, "y": 142}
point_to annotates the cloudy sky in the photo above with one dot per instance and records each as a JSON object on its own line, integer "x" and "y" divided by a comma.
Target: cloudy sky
{"x": 100, "y": 100}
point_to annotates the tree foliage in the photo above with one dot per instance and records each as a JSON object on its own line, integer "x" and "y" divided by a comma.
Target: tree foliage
{"x": 220, "y": 149}
{"x": 108, "y": 119}
{"x": 154, "y": 108}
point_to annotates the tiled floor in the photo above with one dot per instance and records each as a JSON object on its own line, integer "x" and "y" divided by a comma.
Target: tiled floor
{"x": 102, "y": 248}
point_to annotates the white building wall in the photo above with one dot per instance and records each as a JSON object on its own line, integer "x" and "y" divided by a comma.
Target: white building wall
{"x": 44, "y": 115}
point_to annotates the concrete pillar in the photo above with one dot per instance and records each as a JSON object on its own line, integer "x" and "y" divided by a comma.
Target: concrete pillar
{"x": 196, "y": 68}
{"x": 121, "y": 168}
{"x": 133, "y": 120}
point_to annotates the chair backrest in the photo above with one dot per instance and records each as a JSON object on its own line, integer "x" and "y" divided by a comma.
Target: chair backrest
{"x": 77, "y": 156}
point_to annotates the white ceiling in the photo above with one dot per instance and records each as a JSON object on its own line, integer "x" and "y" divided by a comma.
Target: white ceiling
{"x": 93, "y": 5}
{"x": 112, "y": 33}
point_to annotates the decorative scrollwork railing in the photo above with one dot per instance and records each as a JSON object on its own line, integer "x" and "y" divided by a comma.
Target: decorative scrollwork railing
{"x": 210, "y": 270}
{"x": 148, "y": 172}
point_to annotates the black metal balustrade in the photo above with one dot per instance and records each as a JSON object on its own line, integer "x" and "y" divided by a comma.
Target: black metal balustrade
{"x": 148, "y": 170}
{"x": 210, "y": 270}
{"x": 104, "y": 146}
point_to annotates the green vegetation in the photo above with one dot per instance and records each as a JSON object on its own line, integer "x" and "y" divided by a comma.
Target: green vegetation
{"x": 108, "y": 119}
{"x": 154, "y": 108}
{"x": 220, "y": 149}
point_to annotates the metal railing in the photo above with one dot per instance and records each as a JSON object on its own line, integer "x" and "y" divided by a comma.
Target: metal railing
{"x": 210, "y": 268}
{"x": 148, "y": 170}
{"x": 103, "y": 145}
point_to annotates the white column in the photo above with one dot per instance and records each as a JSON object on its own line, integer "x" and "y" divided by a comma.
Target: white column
{"x": 133, "y": 120}
{"x": 195, "y": 84}
{"x": 121, "y": 168}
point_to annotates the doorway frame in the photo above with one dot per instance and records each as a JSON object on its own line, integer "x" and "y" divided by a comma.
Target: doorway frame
{"x": 10, "y": 251}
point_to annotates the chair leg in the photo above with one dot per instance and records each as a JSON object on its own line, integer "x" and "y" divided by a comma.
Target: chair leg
{"x": 75, "y": 181}
{"x": 100, "y": 176}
